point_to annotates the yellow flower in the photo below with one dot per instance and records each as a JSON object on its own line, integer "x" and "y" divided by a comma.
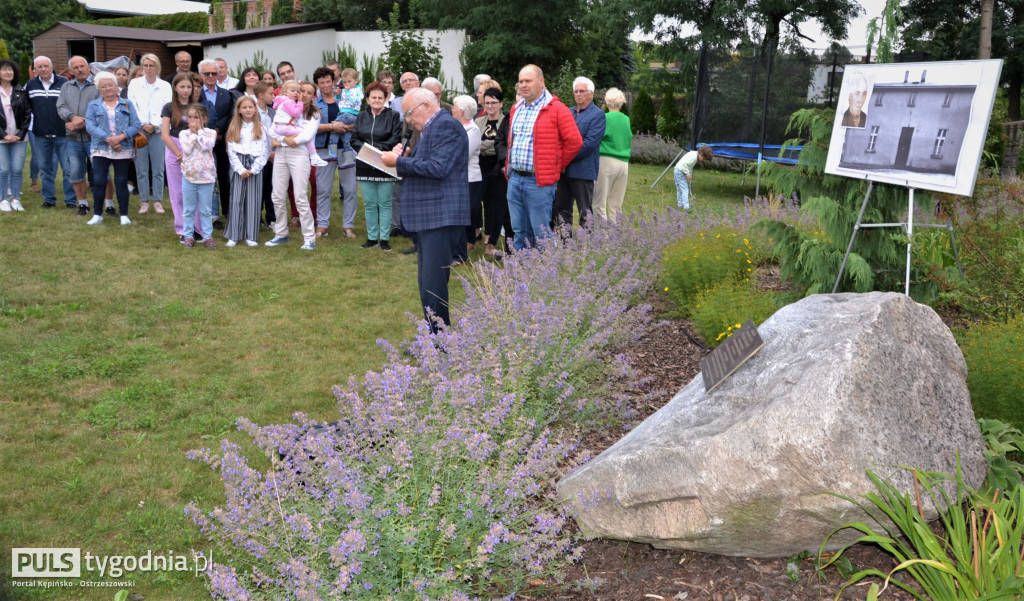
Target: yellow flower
{"x": 666, "y": 288}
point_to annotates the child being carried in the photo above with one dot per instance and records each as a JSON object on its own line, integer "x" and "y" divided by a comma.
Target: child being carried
{"x": 289, "y": 110}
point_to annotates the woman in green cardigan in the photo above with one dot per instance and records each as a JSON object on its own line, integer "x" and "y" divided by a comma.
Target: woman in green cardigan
{"x": 615, "y": 149}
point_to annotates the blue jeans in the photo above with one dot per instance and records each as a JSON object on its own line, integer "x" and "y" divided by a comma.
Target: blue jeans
{"x": 682, "y": 190}
{"x": 78, "y": 157}
{"x": 196, "y": 196}
{"x": 51, "y": 151}
{"x": 152, "y": 155}
{"x": 346, "y": 138}
{"x": 12, "y": 168}
{"x": 33, "y": 165}
{"x": 529, "y": 205}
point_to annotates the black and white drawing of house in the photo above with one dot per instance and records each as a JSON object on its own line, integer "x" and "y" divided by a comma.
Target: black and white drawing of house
{"x": 911, "y": 126}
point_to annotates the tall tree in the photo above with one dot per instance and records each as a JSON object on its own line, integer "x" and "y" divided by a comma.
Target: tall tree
{"x": 951, "y": 31}
{"x": 507, "y": 35}
{"x": 352, "y": 14}
{"x": 22, "y": 21}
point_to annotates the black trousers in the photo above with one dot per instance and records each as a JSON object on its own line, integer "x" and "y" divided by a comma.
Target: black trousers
{"x": 433, "y": 262}
{"x": 100, "y": 172}
{"x": 220, "y": 152}
{"x": 582, "y": 190}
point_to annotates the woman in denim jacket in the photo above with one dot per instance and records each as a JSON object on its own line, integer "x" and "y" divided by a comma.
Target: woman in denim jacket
{"x": 112, "y": 124}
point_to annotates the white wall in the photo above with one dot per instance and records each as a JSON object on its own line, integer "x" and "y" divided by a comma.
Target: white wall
{"x": 304, "y": 50}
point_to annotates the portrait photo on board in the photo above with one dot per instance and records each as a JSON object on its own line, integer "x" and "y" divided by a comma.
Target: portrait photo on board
{"x": 921, "y": 125}
{"x": 858, "y": 91}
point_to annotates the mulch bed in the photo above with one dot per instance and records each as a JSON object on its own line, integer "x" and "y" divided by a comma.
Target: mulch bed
{"x": 668, "y": 357}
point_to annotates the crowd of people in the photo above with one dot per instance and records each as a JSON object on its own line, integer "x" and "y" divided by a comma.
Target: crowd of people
{"x": 268, "y": 147}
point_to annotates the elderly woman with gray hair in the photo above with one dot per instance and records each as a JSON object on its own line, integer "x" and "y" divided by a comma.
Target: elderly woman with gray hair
{"x": 615, "y": 149}
{"x": 464, "y": 110}
{"x": 112, "y": 123}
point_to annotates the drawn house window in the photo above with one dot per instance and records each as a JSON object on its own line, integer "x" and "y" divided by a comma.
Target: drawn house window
{"x": 948, "y": 100}
{"x": 878, "y": 99}
{"x": 940, "y": 139}
{"x": 912, "y": 101}
{"x": 872, "y": 139}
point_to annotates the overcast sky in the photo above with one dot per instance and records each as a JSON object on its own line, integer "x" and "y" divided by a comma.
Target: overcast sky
{"x": 857, "y": 32}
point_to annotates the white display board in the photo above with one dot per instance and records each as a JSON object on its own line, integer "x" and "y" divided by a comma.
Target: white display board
{"x": 919, "y": 125}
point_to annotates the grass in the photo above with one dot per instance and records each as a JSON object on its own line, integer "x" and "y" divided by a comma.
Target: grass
{"x": 122, "y": 350}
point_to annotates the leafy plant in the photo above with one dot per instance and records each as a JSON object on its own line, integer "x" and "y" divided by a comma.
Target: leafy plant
{"x": 282, "y": 12}
{"x": 722, "y": 309}
{"x": 191, "y": 22}
{"x": 977, "y": 554}
{"x": 408, "y": 48}
{"x": 259, "y": 61}
{"x": 990, "y": 231}
{"x": 238, "y": 14}
{"x": 995, "y": 368}
{"x": 1004, "y": 448}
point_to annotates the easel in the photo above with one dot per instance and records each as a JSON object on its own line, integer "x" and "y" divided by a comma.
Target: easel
{"x": 908, "y": 226}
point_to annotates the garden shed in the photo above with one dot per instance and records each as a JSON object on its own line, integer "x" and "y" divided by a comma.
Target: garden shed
{"x": 106, "y": 42}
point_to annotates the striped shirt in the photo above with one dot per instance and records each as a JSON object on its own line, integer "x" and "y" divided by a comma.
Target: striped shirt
{"x": 520, "y": 154}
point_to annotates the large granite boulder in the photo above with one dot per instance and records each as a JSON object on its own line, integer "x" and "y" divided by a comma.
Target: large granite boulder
{"x": 845, "y": 383}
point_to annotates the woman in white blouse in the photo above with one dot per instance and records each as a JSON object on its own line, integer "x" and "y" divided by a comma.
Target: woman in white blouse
{"x": 248, "y": 145}
{"x": 149, "y": 94}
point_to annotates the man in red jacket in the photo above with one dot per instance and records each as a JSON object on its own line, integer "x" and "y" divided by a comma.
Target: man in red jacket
{"x": 542, "y": 140}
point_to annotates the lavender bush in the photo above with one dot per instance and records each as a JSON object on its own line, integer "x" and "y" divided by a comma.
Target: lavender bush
{"x": 436, "y": 481}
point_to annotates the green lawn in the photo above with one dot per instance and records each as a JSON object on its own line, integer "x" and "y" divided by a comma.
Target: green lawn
{"x": 122, "y": 350}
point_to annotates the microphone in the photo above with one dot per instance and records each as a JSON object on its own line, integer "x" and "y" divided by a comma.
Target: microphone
{"x": 406, "y": 135}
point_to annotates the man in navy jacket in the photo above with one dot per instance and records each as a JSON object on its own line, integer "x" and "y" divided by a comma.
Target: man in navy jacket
{"x": 578, "y": 180}
{"x": 435, "y": 194}
{"x": 224, "y": 103}
{"x": 49, "y": 131}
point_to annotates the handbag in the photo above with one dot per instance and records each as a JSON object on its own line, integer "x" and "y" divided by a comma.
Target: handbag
{"x": 140, "y": 140}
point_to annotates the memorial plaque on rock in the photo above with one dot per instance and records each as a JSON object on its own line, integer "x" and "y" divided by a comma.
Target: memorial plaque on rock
{"x": 730, "y": 355}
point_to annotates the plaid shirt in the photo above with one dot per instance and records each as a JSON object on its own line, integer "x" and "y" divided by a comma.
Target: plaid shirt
{"x": 520, "y": 155}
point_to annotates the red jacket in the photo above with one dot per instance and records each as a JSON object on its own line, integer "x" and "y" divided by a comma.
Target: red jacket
{"x": 556, "y": 140}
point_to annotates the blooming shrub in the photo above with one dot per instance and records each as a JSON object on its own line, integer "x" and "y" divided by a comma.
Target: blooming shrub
{"x": 698, "y": 262}
{"x": 722, "y": 309}
{"x": 436, "y": 481}
{"x": 653, "y": 150}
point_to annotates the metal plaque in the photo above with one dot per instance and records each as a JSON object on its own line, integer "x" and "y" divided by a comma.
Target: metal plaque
{"x": 730, "y": 355}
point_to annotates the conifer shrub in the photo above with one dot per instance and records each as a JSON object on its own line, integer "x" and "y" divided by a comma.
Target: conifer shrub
{"x": 878, "y": 258}
{"x": 643, "y": 119}
{"x": 669, "y": 123}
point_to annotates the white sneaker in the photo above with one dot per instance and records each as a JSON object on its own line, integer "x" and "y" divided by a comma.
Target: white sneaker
{"x": 231, "y": 243}
{"x": 5, "y": 206}
{"x": 95, "y": 219}
{"x": 252, "y": 243}
{"x": 316, "y": 161}
{"x": 125, "y": 220}
{"x": 16, "y": 205}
